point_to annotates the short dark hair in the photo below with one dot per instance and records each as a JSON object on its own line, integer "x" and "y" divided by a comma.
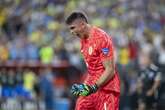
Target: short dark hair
{"x": 76, "y": 15}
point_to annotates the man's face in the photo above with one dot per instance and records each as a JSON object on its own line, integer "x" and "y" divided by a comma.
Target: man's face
{"x": 144, "y": 60}
{"x": 77, "y": 28}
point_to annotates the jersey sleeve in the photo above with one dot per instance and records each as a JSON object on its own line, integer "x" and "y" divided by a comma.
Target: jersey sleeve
{"x": 105, "y": 48}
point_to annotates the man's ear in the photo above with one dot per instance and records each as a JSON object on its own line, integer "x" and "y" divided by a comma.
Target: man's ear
{"x": 82, "y": 24}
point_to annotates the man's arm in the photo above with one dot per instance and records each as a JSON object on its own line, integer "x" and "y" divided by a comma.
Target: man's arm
{"x": 108, "y": 72}
{"x": 85, "y": 90}
{"x": 155, "y": 85}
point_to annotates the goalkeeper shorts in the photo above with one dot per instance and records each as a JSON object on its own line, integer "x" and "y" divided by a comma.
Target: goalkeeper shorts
{"x": 101, "y": 100}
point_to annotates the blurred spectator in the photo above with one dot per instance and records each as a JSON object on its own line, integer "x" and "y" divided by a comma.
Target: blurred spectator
{"x": 4, "y": 49}
{"x": 47, "y": 88}
{"x": 29, "y": 78}
{"x": 32, "y": 52}
{"x": 3, "y": 16}
{"x": 8, "y": 83}
{"x": 19, "y": 89}
{"x": 148, "y": 83}
{"x": 46, "y": 54}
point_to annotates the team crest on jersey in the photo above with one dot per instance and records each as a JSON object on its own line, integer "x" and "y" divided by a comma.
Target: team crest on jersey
{"x": 105, "y": 51}
{"x": 90, "y": 50}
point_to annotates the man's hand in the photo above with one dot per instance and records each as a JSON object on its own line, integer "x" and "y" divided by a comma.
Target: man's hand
{"x": 150, "y": 92}
{"x": 83, "y": 89}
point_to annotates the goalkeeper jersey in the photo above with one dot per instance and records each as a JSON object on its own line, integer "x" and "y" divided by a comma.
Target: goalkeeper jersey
{"x": 95, "y": 50}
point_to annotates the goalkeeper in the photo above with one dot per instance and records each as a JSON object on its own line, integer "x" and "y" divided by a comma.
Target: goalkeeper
{"x": 101, "y": 88}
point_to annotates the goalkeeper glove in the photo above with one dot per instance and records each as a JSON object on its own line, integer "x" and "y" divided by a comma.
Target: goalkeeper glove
{"x": 83, "y": 89}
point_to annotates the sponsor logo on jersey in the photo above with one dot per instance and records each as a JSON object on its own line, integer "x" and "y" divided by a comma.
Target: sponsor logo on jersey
{"x": 90, "y": 50}
{"x": 105, "y": 51}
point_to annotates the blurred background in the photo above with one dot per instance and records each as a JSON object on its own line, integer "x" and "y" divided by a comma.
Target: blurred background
{"x": 40, "y": 59}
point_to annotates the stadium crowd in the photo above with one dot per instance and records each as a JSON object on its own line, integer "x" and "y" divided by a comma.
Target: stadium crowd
{"x": 34, "y": 31}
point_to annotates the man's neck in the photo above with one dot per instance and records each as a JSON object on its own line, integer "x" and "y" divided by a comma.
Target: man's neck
{"x": 87, "y": 32}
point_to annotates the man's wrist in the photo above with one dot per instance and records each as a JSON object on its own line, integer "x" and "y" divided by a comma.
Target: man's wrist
{"x": 97, "y": 84}
{"x": 94, "y": 87}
